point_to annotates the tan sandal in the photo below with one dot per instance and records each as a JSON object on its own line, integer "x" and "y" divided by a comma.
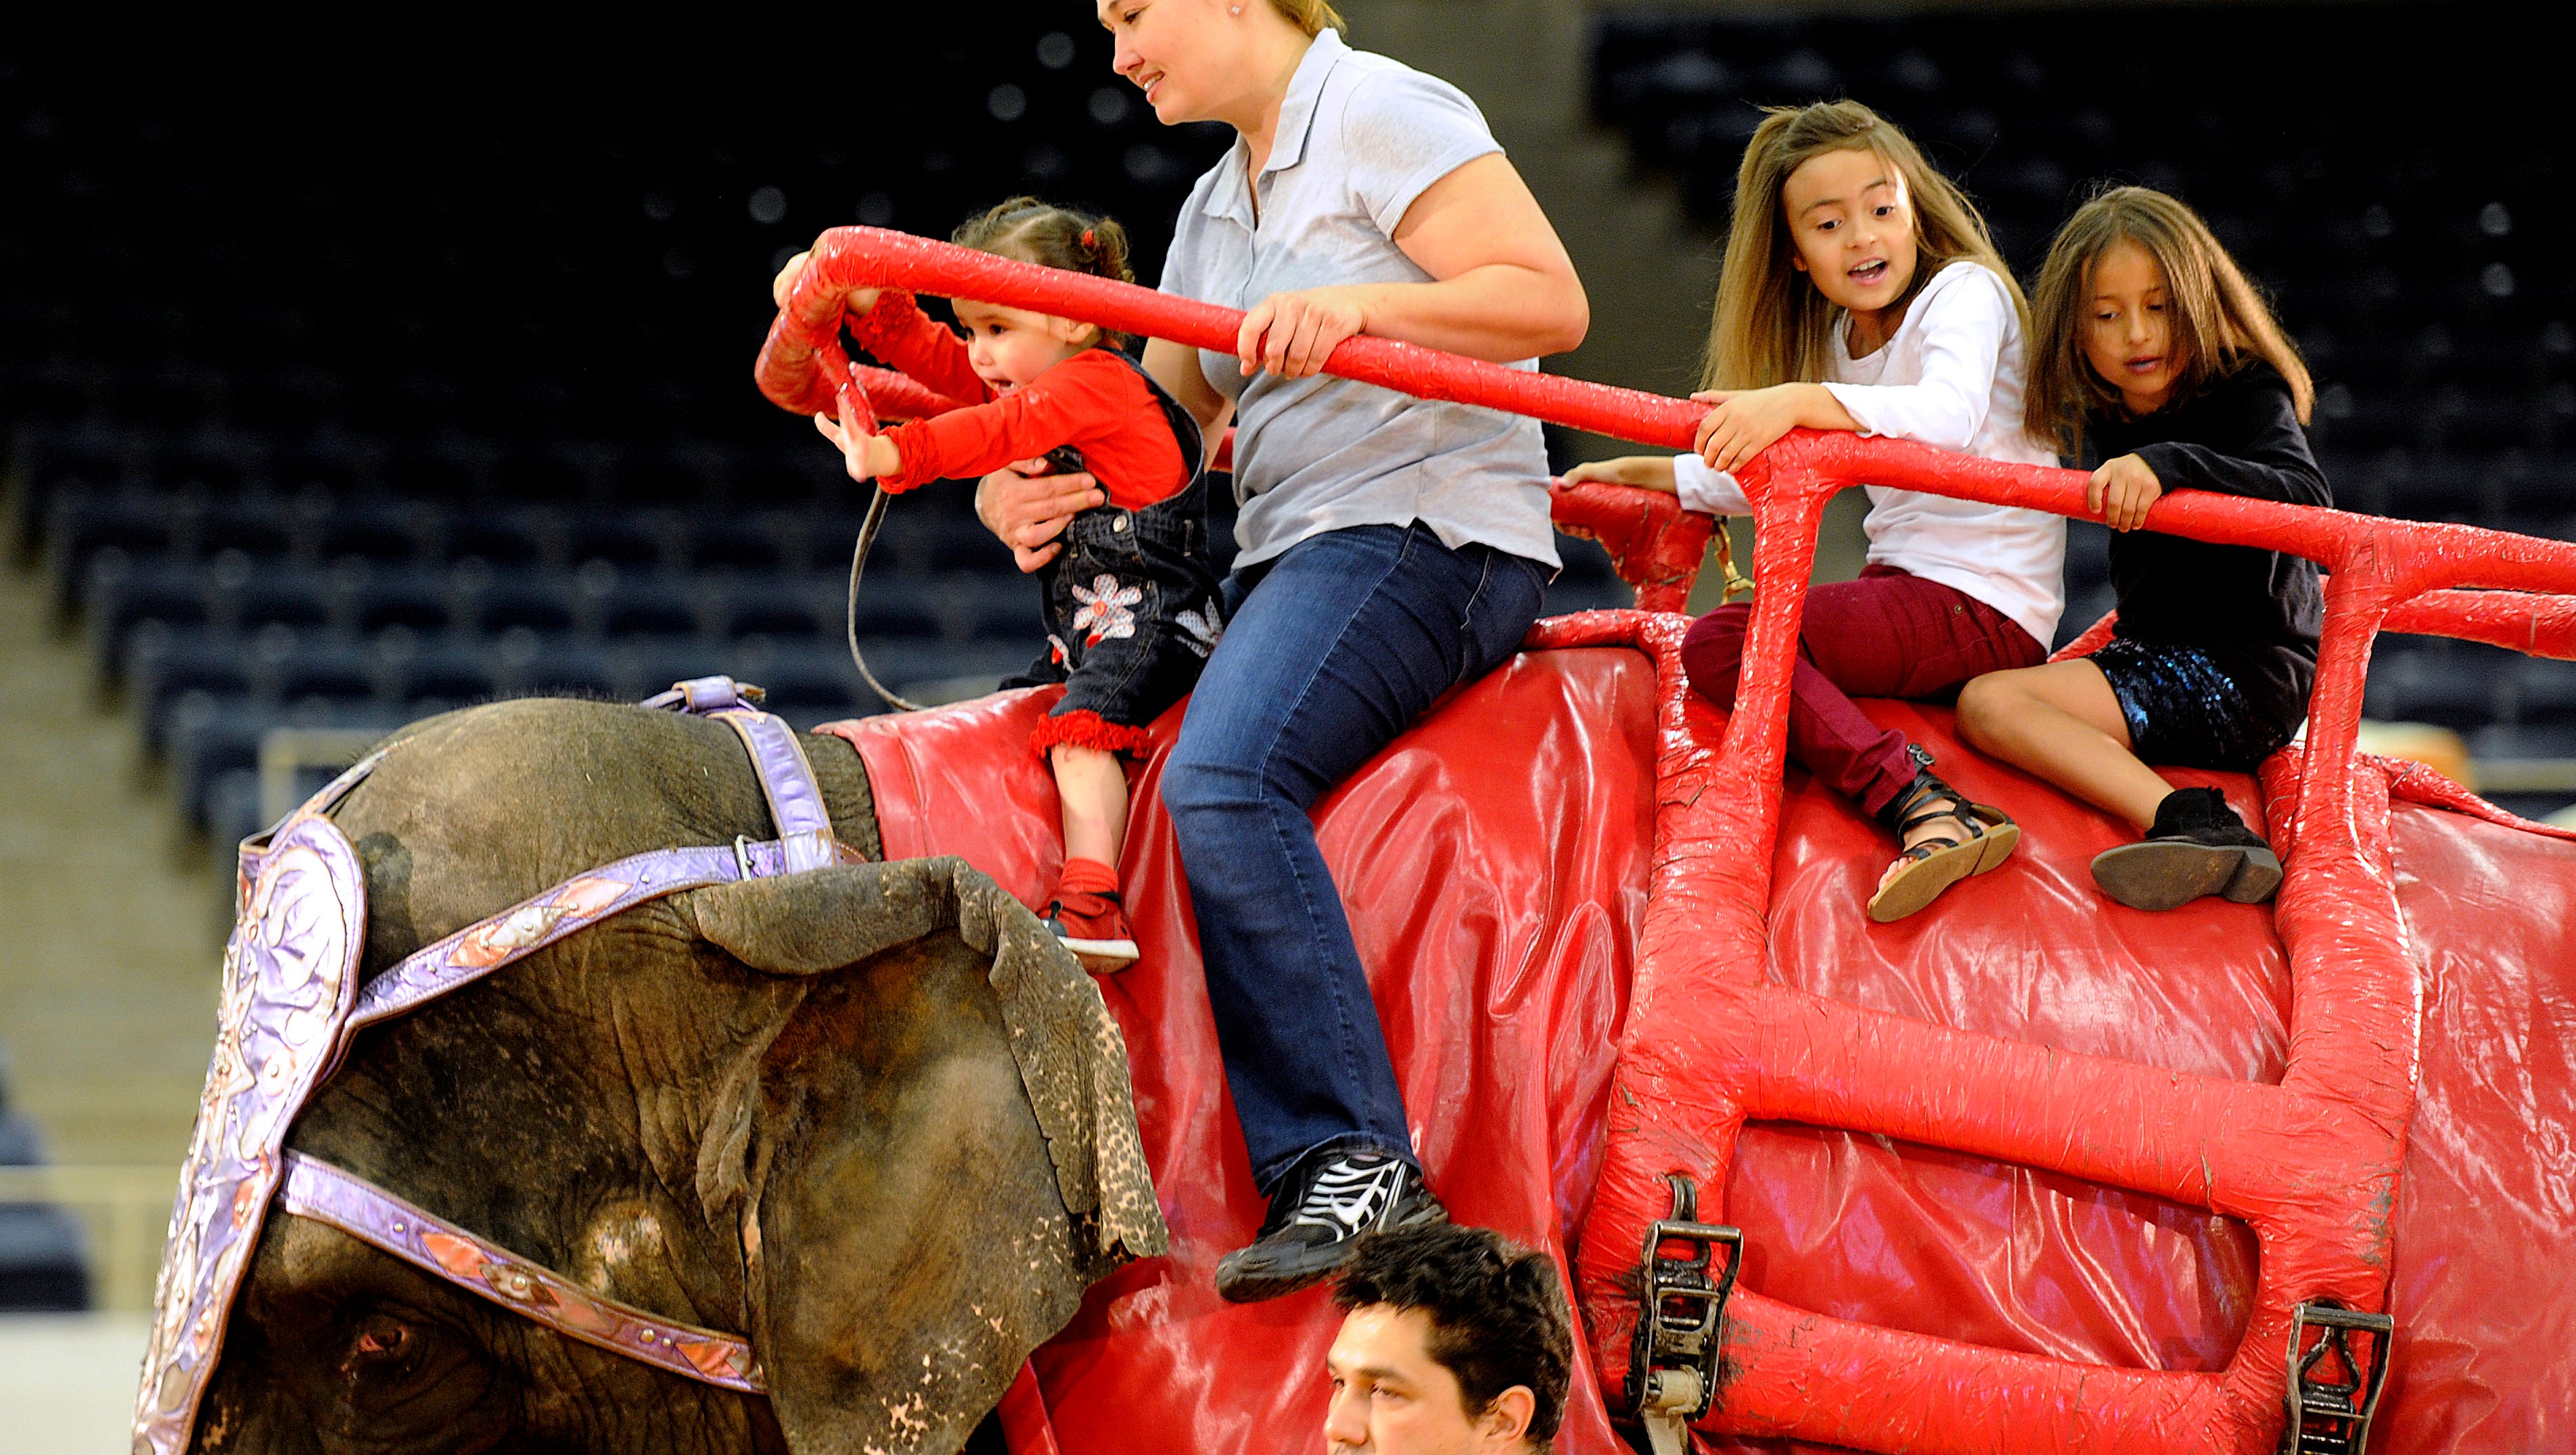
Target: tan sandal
{"x": 1935, "y": 864}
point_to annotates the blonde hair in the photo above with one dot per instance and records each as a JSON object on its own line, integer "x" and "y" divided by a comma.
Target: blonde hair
{"x": 2217, "y": 316}
{"x": 1312, "y": 16}
{"x": 1770, "y": 324}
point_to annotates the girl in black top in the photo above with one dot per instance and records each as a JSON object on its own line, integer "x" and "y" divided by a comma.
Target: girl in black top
{"x": 2152, "y": 353}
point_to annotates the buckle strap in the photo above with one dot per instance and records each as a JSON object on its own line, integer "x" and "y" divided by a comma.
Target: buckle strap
{"x": 787, "y": 782}
{"x": 2330, "y": 1415}
{"x": 777, "y": 760}
{"x": 703, "y": 695}
{"x": 318, "y": 1191}
{"x": 1681, "y": 1321}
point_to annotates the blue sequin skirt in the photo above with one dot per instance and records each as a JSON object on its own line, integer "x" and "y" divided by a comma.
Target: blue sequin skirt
{"x": 2183, "y": 711}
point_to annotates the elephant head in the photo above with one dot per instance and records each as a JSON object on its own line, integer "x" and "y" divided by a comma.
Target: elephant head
{"x": 870, "y": 1117}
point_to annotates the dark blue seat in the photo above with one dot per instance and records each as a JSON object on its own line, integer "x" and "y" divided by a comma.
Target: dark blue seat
{"x": 428, "y": 475}
{"x": 234, "y": 812}
{"x": 731, "y": 540}
{"x": 536, "y": 600}
{"x": 672, "y": 479}
{"x": 661, "y": 603}
{"x": 2541, "y": 483}
{"x": 504, "y": 538}
{"x": 125, "y": 591}
{"x": 44, "y": 1259}
{"x": 778, "y": 605}
{"x": 82, "y": 523}
{"x": 1567, "y": 595}
{"x": 2436, "y": 485}
{"x": 2448, "y": 684}
{"x": 542, "y": 477}
{"x": 452, "y": 670}
{"x": 816, "y": 678}
{"x": 255, "y": 527}
{"x": 417, "y": 597}
{"x": 164, "y": 663}
{"x": 274, "y": 592}
{"x": 533, "y": 664}
{"x": 2544, "y": 694}
{"x": 971, "y": 606}
{"x": 624, "y": 538}
{"x": 382, "y": 531}
{"x": 2541, "y": 740}
{"x": 905, "y": 663}
{"x": 341, "y": 671}
{"x": 962, "y": 544}
{"x": 211, "y": 736}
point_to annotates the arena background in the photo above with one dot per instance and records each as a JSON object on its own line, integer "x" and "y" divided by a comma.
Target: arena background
{"x": 337, "y": 391}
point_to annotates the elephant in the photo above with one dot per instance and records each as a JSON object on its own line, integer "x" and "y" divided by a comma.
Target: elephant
{"x": 711, "y": 1139}
{"x": 870, "y": 1116}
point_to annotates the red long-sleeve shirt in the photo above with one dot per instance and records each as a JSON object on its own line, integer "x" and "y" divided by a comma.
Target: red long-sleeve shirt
{"x": 1094, "y": 401}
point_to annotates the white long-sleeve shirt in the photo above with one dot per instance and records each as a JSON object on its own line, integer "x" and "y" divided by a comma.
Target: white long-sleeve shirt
{"x": 1951, "y": 377}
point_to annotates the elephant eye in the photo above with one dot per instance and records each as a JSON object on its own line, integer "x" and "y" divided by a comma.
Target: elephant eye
{"x": 377, "y": 1340}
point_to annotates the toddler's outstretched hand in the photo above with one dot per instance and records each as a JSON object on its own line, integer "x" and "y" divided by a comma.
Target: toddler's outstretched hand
{"x": 2121, "y": 491}
{"x": 867, "y": 453}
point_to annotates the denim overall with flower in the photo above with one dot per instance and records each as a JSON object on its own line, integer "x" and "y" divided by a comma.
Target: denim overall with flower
{"x": 1132, "y": 606}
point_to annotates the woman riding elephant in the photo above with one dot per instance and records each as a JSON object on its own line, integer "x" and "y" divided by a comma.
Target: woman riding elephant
{"x": 1391, "y": 548}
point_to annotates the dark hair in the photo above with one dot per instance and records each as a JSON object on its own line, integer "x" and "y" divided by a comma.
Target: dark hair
{"x": 2218, "y": 317}
{"x": 1498, "y": 1315}
{"x": 1052, "y": 237}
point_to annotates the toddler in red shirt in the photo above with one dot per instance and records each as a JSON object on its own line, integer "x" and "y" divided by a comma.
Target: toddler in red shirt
{"x": 1132, "y": 603}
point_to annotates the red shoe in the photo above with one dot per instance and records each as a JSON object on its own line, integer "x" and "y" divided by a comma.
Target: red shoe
{"x": 1094, "y": 927}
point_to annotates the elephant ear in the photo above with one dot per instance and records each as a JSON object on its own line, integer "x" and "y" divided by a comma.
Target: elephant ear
{"x": 929, "y": 1161}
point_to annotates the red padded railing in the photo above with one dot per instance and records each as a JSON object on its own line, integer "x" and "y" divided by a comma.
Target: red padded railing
{"x": 2310, "y": 1164}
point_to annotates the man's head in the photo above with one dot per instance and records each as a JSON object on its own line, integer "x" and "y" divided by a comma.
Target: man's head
{"x": 1455, "y": 1341}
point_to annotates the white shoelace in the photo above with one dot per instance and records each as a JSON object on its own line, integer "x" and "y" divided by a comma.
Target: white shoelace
{"x": 1349, "y": 1196}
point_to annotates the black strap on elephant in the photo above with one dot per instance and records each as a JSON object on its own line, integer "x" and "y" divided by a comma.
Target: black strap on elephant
{"x": 792, "y": 1033}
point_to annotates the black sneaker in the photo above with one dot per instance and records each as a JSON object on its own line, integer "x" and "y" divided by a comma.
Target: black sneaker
{"x": 1323, "y": 1205}
{"x": 2198, "y": 846}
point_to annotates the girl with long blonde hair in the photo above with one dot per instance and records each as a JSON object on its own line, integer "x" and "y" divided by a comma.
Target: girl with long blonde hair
{"x": 2156, "y": 354}
{"x": 1861, "y": 292}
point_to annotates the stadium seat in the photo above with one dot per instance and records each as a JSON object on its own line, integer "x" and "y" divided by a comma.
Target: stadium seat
{"x": 44, "y": 1259}
{"x": 410, "y": 484}
{"x": 519, "y": 599}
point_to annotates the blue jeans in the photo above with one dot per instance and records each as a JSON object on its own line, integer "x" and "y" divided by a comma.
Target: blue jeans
{"x": 1331, "y": 649}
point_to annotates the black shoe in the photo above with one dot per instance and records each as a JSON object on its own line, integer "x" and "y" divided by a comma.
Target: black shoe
{"x": 2198, "y": 846}
{"x": 1320, "y": 1209}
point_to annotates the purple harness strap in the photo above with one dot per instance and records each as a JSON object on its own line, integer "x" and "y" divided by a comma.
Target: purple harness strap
{"x": 795, "y": 802}
{"x": 324, "y": 1193}
{"x": 290, "y": 1011}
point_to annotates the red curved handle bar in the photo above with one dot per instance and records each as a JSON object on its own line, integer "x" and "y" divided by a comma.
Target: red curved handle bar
{"x": 802, "y": 356}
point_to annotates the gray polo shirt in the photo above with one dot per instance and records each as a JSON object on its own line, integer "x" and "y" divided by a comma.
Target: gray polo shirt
{"x": 1360, "y": 137}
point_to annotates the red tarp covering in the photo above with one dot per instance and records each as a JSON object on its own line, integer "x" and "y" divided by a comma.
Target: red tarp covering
{"x": 1494, "y": 860}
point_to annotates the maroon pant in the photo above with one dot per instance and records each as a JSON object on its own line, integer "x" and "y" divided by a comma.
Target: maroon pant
{"x": 1888, "y": 634}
